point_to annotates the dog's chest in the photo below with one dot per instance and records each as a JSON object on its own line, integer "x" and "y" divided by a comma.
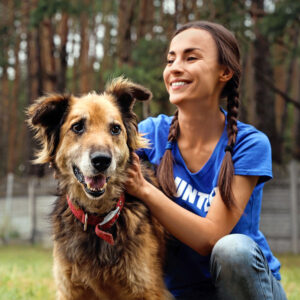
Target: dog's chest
{"x": 86, "y": 248}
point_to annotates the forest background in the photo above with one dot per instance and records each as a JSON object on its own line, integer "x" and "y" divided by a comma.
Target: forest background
{"x": 77, "y": 46}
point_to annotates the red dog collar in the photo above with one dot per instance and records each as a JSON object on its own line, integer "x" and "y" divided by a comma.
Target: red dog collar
{"x": 100, "y": 223}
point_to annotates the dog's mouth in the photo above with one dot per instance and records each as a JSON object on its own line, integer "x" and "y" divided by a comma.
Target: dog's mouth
{"x": 93, "y": 185}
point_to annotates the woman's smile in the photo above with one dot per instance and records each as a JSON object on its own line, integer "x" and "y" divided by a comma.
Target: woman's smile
{"x": 179, "y": 84}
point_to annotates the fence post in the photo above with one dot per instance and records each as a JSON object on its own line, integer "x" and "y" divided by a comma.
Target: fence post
{"x": 32, "y": 208}
{"x": 8, "y": 204}
{"x": 294, "y": 205}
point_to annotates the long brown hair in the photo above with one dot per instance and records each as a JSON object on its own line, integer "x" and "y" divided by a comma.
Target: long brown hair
{"x": 229, "y": 56}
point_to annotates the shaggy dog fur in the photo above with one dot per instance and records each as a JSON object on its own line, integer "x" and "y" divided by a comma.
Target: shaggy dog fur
{"x": 89, "y": 141}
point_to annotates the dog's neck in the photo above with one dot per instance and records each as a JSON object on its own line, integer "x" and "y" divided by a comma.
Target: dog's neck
{"x": 101, "y": 223}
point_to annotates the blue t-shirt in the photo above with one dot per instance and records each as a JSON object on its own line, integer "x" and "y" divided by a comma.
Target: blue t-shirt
{"x": 186, "y": 269}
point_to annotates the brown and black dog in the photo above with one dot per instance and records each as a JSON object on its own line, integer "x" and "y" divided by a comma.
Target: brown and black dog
{"x": 106, "y": 243}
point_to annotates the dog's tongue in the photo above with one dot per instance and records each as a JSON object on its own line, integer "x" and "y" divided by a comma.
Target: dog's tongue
{"x": 96, "y": 182}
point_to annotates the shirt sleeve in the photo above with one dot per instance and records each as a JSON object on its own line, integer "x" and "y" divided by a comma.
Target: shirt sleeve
{"x": 156, "y": 130}
{"x": 146, "y": 128}
{"x": 253, "y": 155}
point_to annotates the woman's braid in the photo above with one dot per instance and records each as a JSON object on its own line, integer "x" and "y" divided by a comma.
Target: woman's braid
{"x": 227, "y": 168}
{"x": 165, "y": 174}
{"x": 174, "y": 129}
{"x": 232, "y": 113}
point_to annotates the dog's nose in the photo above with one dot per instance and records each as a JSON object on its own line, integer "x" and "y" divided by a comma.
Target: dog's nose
{"x": 100, "y": 161}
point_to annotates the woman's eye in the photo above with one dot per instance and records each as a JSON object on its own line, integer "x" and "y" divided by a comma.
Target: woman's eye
{"x": 78, "y": 127}
{"x": 115, "y": 130}
{"x": 170, "y": 61}
{"x": 191, "y": 58}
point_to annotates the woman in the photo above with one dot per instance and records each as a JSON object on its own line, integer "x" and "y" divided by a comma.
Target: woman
{"x": 212, "y": 169}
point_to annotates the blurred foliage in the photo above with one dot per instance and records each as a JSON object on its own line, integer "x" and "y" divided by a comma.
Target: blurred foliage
{"x": 286, "y": 16}
{"x": 146, "y": 68}
{"x": 29, "y": 27}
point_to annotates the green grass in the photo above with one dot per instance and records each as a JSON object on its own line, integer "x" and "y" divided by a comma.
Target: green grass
{"x": 290, "y": 273}
{"x": 26, "y": 274}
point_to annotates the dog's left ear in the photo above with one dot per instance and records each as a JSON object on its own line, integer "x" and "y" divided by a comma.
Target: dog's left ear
{"x": 126, "y": 92}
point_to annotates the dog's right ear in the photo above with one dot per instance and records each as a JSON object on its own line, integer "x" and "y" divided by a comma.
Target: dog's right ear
{"x": 126, "y": 92}
{"x": 45, "y": 117}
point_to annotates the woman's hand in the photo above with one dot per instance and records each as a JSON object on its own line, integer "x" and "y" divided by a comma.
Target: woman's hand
{"x": 136, "y": 184}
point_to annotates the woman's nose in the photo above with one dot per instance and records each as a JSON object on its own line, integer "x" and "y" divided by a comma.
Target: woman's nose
{"x": 176, "y": 67}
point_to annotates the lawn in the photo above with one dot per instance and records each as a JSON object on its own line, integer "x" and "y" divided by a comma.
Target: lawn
{"x": 290, "y": 273}
{"x": 26, "y": 274}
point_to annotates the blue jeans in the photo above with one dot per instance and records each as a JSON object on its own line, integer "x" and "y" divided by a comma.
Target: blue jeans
{"x": 240, "y": 271}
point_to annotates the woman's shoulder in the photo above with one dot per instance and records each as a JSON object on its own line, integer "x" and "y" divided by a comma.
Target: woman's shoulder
{"x": 151, "y": 124}
{"x": 155, "y": 130}
{"x": 249, "y": 135}
{"x": 252, "y": 153}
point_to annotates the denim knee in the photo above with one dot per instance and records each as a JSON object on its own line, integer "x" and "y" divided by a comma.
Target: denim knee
{"x": 233, "y": 251}
{"x": 240, "y": 270}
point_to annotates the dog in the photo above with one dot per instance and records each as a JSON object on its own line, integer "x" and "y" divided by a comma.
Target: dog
{"x": 107, "y": 245}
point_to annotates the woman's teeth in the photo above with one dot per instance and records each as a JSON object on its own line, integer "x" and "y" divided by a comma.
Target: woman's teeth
{"x": 178, "y": 83}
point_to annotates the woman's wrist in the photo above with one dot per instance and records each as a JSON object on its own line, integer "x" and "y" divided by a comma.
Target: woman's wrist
{"x": 145, "y": 191}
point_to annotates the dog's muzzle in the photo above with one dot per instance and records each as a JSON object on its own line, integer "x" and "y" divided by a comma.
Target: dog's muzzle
{"x": 93, "y": 185}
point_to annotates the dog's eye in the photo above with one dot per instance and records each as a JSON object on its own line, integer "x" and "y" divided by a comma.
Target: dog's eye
{"x": 78, "y": 127}
{"x": 115, "y": 129}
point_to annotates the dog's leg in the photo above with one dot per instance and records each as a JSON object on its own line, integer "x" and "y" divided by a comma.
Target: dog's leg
{"x": 147, "y": 288}
{"x": 67, "y": 287}
{"x": 158, "y": 294}
{"x": 154, "y": 295}
{"x": 167, "y": 295}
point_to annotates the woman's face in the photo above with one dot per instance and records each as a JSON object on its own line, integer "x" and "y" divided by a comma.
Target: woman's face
{"x": 192, "y": 72}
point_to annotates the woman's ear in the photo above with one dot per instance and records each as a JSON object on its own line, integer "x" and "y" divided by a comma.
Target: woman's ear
{"x": 225, "y": 74}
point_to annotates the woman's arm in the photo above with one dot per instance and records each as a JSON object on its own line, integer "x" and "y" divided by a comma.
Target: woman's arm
{"x": 197, "y": 232}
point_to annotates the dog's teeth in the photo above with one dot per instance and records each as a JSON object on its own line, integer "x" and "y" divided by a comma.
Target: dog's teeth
{"x": 95, "y": 190}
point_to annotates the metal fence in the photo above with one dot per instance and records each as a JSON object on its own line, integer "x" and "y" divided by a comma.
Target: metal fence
{"x": 280, "y": 214}
{"x": 25, "y": 205}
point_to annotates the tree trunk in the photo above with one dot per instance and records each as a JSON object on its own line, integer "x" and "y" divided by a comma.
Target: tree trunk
{"x": 211, "y": 9}
{"x": 106, "y": 62}
{"x": 297, "y": 135}
{"x": 185, "y": 11}
{"x": 243, "y": 111}
{"x": 288, "y": 87}
{"x": 126, "y": 16}
{"x": 145, "y": 19}
{"x": 145, "y": 29}
{"x": 264, "y": 97}
{"x": 62, "y": 69}
{"x": 280, "y": 53}
{"x": 13, "y": 120}
{"x": 47, "y": 56}
{"x": 34, "y": 83}
{"x": 177, "y": 14}
{"x": 5, "y": 95}
{"x": 73, "y": 85}
{"x": 4, "y": 83}
{"x": 34, "y": 80}
{"x": 84, "y": 82}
